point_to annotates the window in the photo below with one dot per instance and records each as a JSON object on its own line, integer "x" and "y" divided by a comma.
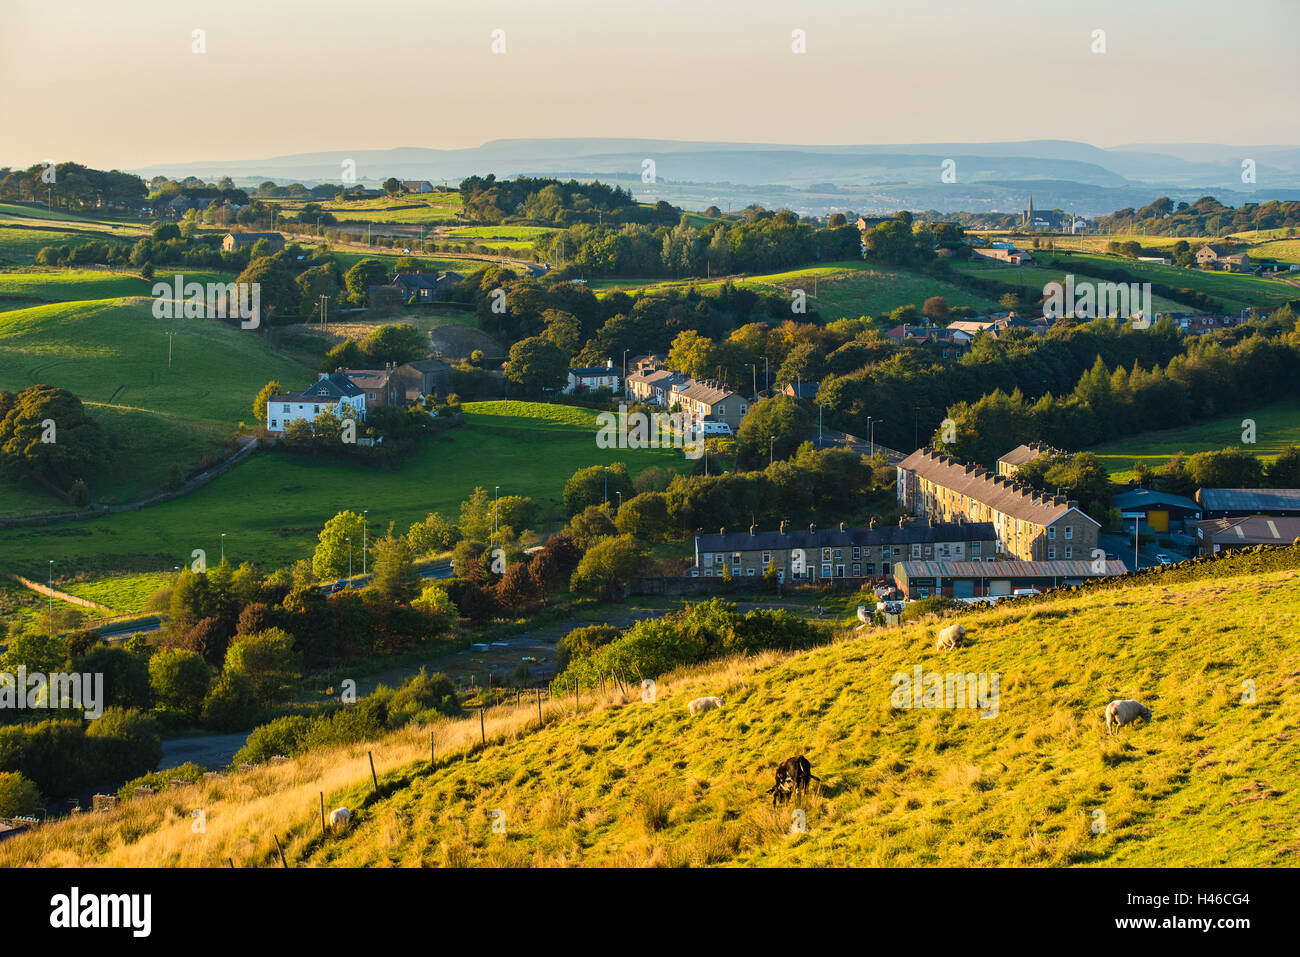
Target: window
{"x": 857, "y": 551}
{"x": 286, "y": 407}
{"x": 857, "y": 571}
{"x": 275, "y": 424}
{"x": 826, "y": 571}
{"x": 1069, "y": 532}
{"x": 749, "y": 571}
{"x": 721, "y": 410}
{"x": 706, "y": 557}
{"x": 826, "y": 554}
{"x": 974, "y": 548}
{"x": 767, "y": 558}
{"x": 916, "y": 551}
{"x": 1051, "y": 532}
{"x": 1051, "y": 551}
{"x": 1069, "y": 551}
{"x": 735, "y": 558}
{"x": 837, "y": 553}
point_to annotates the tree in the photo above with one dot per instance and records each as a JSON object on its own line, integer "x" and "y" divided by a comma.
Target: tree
{"x": 392, "y": 186}
{"x": 394, "y": 343}
{"x": 596, "y": 485}
{"x": 936, "y": 308}
{"x": 608, "y": 567}
{"x": 366, "y": 273}
{"x": 1227, "y": 468}
{"x": 126, "y": 676}
{"x": 1285, "y": 470}
{"x": 644, "y": 517}
{"x": 231, "y": 704}
{"x": 264, "y": 396}
{"x": 434, "y": 534}
{"x": 536, "y": 365}
{"x": 280, "y": 299}
{"x": 270, "y": 662}
{"x": 38, "y": 653}
{"x": 393, "y": 575}
{"x": 774, "y": 428}
{"x": 46, "y": 434}
{"x": 180, "y": 680}
{"x": 18, "y": 796}
{"x": 124, "y": 743}
{"x": 330, "y": 559}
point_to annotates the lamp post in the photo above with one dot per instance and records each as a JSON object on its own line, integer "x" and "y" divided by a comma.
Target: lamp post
{"x": 606, "y": 486}
{"x": 766, "y": 381}
{"x": 771, "y": 445}
{"x": 625, "y": 373}
{"x": 223, "y": 548}
{"x": 51, "y": 597}
{"x": 349, "y": 561}
{"x": 871, "y": 423}
{"x": 496, "y": 498}
{"x": 364, "y": 513}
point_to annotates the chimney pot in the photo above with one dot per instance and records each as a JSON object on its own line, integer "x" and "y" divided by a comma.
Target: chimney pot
{"x": 722, "y": 531}
{"x": 751, "y": 530}
{"x": 841, "y": 526}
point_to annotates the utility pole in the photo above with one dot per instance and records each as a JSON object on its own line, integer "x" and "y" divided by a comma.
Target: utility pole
{"x": 496, "y": 495}
{"x": 324, "y": 308}
{"x": 771, "y": 446}
{"x": 51, "y": 597}
{"x": 169, "y": 350}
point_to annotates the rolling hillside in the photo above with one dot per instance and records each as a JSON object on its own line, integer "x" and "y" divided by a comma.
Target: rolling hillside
{"x": 1211, "y": 781}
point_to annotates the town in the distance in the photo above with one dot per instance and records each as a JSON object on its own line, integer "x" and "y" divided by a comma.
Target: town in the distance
{"x": 541, "y": 520}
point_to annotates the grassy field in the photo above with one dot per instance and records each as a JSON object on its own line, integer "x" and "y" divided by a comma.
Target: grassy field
{"x": 846, "y": 289}
{"x": 1236, "y": 291}
{"x": 272, "y": 506}
{"x": 618, "y": 782}
{"x": 124, "y": 594}
{"x": 1276, "y": 427}
{"x": 423, "y": 208}
{"x": 1283, "y": 250}
{"x": 1038, "y": 277}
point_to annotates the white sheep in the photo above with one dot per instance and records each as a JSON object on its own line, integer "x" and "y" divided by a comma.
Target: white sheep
{"x": 954, "y": 636}
{"x": 1120, "y": 713}
{"x": 340, "y": 818}
{"x": 704, "y": 704}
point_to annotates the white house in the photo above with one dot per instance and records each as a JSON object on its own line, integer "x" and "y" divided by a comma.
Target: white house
{"x": 334, "y": 392}
{"x": 593, "y": 377}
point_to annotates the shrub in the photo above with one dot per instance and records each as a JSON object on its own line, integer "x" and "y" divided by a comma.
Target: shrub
{"x": 231, "y": 704}
{"x": 18, "y": 795}
{"x": 581, "y": 642}
{"x": 124, "y": 742}
{"x": 269, "y": 659}
{"x": 934, "y": 605}
{"x": 282, "y": 736}
{"x": 180, "y": 680}
{"x": 189, "y": 771}
{"x": 126, "y": 676}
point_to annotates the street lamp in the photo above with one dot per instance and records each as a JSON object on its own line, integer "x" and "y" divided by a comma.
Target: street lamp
{"x": 364, "y": 513}
{"x": 349, "y": 561}
{"x": 871, "y": 424}
{"x": 766, "y": 384}
{"x": 771, "y": 445}
{"x": 496, "y": 497}
{"x": 223, "y": 548}
{"x": 625, "y": 373}
{"x": 620, "y": 500}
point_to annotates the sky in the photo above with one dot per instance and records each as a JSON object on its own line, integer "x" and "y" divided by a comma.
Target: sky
{"x": 118, "y": 84}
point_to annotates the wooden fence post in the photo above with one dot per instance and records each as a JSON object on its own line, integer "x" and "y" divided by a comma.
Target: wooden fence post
{"x": 322, "y": 813}
{"x": 373, "y": 776}
{"x": 539, "y": 707}
{"x": 482, "y": 729}
{"x": 283, "y": 862}
{"x": 432, "y": 744}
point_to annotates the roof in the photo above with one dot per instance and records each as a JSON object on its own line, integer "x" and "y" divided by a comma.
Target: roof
{"x": 425, "y": 365}
{"x": 1139, "y": 498}
{"x": 336, "y": 385}
{"x": 801, "y": 390}
{"x": 254, "y": 237}
{"x": 423, "y": 280}
{"x": 1027, "y": 453}
{"x": 591, "y": 371}
{"x": 1062, "y": 569}
{"x": 1251, "y": 530}
{"x": 908, "y": 534}
{"x": 995, "y": 491}
{"x": 705, "y": 393}
{"x": 1249, "y": 499}
{"x": 368, "y": 378}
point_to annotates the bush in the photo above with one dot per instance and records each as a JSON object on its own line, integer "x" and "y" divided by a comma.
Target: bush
{"x": 269, "y": 659}
{"x": 231, "y": 704}
{"x": 126, "y": 676}
{"x": 581, "y": 642}
{"x": 421, "y": 694}
{"x": 180, "y": 680}
{"x": 52, "y": 754}
{"x": 934, "y": 605}
{"x": 124, "y": 742}
{"x": 189, "y": 771}
{"x": 282, "y": 736}
{"x": 18, "y": 795}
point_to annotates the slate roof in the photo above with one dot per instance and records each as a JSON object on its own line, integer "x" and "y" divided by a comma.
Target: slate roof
{"x": 334, "y": 386}
{"x": 1027, "y": 453}
{"x": 1140, "y": 498}
{"x": 1251, "y": 530}
{"x": 908, "y": 534}
{"x": 997, "y": 492}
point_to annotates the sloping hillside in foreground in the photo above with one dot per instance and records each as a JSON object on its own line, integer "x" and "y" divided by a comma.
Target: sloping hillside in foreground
{"x": 1213, "y": 780}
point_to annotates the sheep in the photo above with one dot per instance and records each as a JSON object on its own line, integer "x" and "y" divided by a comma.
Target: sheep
{"x": 954, "y": 636}
{"x": 704, "y": 704}
{"x": 340, "y": 818}
{"x": 1120, "y": 713}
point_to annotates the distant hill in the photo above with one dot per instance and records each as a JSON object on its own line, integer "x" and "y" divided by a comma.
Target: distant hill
{"x": 624, "y": 782}
{"x": 1082, "y": 178}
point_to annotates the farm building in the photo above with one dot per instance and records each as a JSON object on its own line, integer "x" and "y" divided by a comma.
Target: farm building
{"x": 829, "y": 555}
{"x": 592, "y": 377}
{"x": 234, "y": 241}
{"x": 1158, "y": 511}
{"x": 998, "y": 578}
{"x": 333, "y": 392}
{"x": 1223, "y": 534}
{"x": 417, "y": 186}
{"x": 1236, "y": 502}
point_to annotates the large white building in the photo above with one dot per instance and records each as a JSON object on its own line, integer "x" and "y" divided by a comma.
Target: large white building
{"x": 333, "y": 391}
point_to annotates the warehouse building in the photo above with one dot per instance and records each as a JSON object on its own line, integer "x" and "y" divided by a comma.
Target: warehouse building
{"x": 999, "y": 578}
{"x": 1236, "y": 502}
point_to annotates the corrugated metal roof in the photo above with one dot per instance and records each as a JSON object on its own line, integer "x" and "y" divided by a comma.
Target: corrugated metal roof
{"x": 1146, "y": 498}
{"x": 1252, "y": 529}
{"x": 1249, "y": 499}
{"x": 911, "y": 533}
{"x": 1059, "y": 569}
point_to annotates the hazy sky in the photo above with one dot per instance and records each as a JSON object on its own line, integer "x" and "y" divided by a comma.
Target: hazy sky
{"x": 114, "y": 83}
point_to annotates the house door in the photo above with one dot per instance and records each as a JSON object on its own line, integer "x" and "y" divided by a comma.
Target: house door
{"x": 839, "y": 571}
{"x": 1158, "y": 520}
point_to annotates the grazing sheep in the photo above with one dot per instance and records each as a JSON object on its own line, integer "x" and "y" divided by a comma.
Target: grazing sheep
{"x": 792, "y": 776}
{"x": 704, "y": 704}
{"x": 1120, "y": 713}
{"x": 340, "y": 818}
{"x": 954, "y": 636}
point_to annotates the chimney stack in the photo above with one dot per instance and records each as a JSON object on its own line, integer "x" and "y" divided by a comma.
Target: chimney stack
{"x": 751, "y": 530}
{"x": 783, "y": 524}
{"x": 841, "y": 526}
{"x": 722, "y": 531}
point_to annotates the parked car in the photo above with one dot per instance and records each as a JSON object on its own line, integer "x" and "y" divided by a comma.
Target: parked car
{"x": 1164, "y": 559}
{"x": 338, "y": 586}
{"x": 1023, "y": 592}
